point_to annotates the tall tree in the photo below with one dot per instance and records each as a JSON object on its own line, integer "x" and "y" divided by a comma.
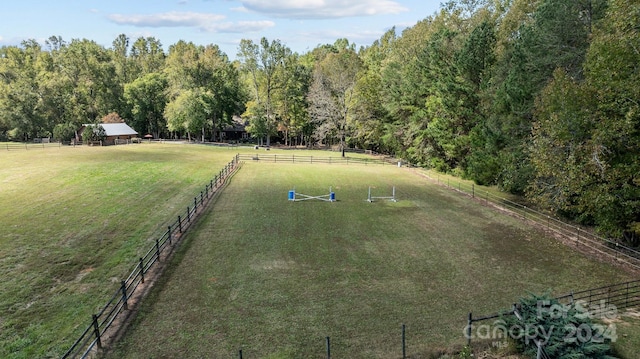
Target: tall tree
{"x": 332, "y": 93}
{"x": 262, "y": 63}
{"x": 147, "y": 97}
{"x": 542, "y": 36}
{"x": 371, "y": 116}
{"x": 147, "y": 56}
{"x": 21, "y": 100}
{"x": 585, "y": 148}
{"x": 187, "y": 112}
{"x": 205, "y": 70}
{"x": 291, "y": 102}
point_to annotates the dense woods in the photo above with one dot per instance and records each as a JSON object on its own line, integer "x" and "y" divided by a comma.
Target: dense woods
{"x": 539, "y": 97}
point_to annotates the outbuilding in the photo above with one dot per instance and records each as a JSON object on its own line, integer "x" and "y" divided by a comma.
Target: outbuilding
{"x": 116, "y": 133}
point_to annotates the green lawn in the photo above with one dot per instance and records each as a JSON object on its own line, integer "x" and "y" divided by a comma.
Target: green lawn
{"x": 275, "y": 278}
{"x": 74, "y": 220}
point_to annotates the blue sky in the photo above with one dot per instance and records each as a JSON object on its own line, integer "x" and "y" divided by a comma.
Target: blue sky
{"x": 299, "y": 24}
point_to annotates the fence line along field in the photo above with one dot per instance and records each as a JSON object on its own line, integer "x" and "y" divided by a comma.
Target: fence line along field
{"x": 274, "y": 278}
{"x": 74, "y": 221}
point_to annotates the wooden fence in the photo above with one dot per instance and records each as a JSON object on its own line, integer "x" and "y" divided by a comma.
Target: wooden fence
{"x": 318, "y": 159}
{"x": 578, "y": 237}
{"x": 16, "y": 146}
{"x": 91, "y": 338}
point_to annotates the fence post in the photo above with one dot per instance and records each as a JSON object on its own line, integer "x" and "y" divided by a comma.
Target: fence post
{"x": 195, "y": 203}
{"x": 473, "y": 190}
{"x": 404, "y": 347}
{"x": 141, "y": 266}
{"x": 328, "y": 343}
{"x": 626, "y": 297}
{"x": 179, "y": 224}
{"x": 169, "y": 233}
{"x": 188, "y": 214}
{"x": 240, "y": 353}
{"x": 201, "y": 197}
{"x": 96, "y": 330}
{"x": 469, "y": 324}
{"x": 548, "y": 223}
{"x": 158, "y": 249}
{"x": 123, "y": 287}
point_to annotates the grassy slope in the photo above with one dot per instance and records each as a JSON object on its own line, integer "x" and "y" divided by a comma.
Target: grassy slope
{"x": 275, "y": 277}
{"x": 73, "y": 221}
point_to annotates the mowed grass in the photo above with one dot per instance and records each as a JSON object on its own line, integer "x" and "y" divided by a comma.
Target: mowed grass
{"x": 275, "y": 278}
{"x": 74, "y": 221}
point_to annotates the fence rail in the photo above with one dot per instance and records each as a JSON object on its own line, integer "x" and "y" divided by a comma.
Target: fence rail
{"x": 101, "y": 322}
{"x": 599, "y": 301}
{"x": 17, "y": 146}
{"x": 578, "y": 237}
{"x": 316, "y": 159}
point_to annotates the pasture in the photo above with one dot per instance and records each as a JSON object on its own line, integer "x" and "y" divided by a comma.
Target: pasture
{"x": 74, "y": 220}
{"x": 275, "y": 278}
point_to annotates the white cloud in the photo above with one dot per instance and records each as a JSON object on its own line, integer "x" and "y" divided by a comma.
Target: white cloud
{"x": 329, "y": 36}
{"x": 239, "y": 27}
{"x": 323, "y": 9}
{"x": 207, "y": 22}
{"x": 168, "y": 19}
{"x": 239, "y": 9}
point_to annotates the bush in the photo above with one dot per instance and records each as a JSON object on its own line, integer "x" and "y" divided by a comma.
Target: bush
{"x": 64, "y": 132}
{"x": 93, "y": 133}
{"x": 565, "y": 331}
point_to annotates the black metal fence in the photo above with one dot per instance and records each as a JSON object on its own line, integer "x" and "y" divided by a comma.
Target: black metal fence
{"x": 92, "y": 337}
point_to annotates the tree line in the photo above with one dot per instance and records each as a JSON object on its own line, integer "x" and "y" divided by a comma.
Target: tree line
{"x": 539, "y": 97}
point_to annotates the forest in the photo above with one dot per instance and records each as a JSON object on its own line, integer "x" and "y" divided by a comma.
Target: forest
{"x": 538, "y": 97}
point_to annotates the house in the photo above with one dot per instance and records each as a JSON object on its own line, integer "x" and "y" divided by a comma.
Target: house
{"x": 116, "y": 133}
{"x": 236, "y": 131}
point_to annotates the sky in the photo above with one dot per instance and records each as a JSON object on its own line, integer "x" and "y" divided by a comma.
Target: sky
{"x": 299, "y": 24}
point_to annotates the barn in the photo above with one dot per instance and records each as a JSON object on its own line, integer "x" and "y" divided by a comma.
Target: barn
{"x": 116, "y": 133}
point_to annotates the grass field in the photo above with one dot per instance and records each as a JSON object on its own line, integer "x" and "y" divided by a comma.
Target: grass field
{"x": 274, "y": 278}
{"x": 73, "y": 221}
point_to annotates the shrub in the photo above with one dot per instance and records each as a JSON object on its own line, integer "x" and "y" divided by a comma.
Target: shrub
{"x": 564, "y": 330}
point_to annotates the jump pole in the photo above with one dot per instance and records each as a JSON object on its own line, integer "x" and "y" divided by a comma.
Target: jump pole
{"x": 391, "y": 198}
{"x": 330, "y": 197}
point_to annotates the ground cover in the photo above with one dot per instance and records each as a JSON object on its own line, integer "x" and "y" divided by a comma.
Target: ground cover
{"x": 275, "y": 278}
{"x": 74, "y": 220}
